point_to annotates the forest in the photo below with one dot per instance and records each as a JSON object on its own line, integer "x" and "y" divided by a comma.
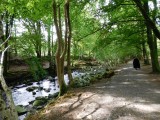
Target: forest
{"x": 69, "y": 44}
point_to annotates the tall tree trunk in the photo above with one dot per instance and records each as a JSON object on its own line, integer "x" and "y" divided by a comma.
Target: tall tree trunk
{"x": 7, "y": 107}
{"x": 49, "y": 40}
{"x": 144, "y": 49}
{"x": 6, "y": 44}
{"x": 49, "y": 46}
{"x": 145, "y": 55}
{"x": 52, "y": 41}
{"x": 1, "y": 30}
{"x": 152, "y": 45}
{"x": 60, "y": 52}
{"x": 15, "y": 40}
{"x": 50, "y": 51}
{"x": 38, "y": 43}
{"x": 69, "y": 43}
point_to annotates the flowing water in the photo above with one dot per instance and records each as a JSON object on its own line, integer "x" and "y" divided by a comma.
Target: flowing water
{"x": 23, "y": 97}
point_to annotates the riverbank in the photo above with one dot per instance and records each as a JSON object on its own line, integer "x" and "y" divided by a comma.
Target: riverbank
{"x": 129, "y": 95}
{"x": 30, "y": 95}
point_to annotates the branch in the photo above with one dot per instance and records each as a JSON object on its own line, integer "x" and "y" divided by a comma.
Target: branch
{"x": 150, "y": 23}
{"x": 5, "y": 41}
{"x": 90, "y": 34}
{"x": 2, "y": 55}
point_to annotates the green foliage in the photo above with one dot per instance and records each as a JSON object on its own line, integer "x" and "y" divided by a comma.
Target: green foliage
{"x": 110, "y": 32}
{"x": 36, "y": 68}
{"x": 27, "y": 43}
{"x": 80, "y": 82}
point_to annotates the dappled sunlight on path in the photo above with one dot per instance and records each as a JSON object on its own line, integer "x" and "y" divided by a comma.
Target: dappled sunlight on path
{"x": 129, "y": 95}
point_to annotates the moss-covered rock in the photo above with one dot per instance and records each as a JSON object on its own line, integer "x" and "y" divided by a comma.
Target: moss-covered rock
{"x": 37, "y": 103}
{"x": 21, "y": 109}
{"x": 51, "y": 96}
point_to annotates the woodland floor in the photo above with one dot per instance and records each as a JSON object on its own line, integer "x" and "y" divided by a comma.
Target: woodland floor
{"x": 129, "y": 95}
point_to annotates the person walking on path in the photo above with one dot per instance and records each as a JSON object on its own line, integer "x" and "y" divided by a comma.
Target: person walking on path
{"x": 136, "y": 63}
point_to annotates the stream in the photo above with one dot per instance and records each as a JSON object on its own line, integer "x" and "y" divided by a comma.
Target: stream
{"x": 22, "y": 96}
{"x": 27, "y": 95}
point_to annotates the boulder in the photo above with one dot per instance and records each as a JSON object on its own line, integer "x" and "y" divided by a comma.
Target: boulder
{"x": 38, "y": 103}
{"x": 21, "y": 110}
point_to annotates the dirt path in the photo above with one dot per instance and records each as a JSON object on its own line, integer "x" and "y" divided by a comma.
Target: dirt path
{"x": 129, "y": 95}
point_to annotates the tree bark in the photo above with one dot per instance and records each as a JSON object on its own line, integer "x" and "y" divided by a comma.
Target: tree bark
{"x": 38, "y": 41}
{"x": 152, "y": 45}
{"x": 5, "y": 63}
{"x": 69, "y": 43}
{"x": 61, "y": 50}
{"x": 1, "y": 30}
{"x": 145, "y": 55}
{"x": 8, "y": 110}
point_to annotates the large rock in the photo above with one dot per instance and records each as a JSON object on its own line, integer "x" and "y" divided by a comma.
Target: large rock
{"x": 21, "y": 110}
{"x": 39, "y": 102}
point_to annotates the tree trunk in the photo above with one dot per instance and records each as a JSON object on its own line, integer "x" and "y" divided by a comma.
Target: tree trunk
{"x": 38, "y": 43}
{"x": 150, "y": 23}
{"x": 152, "y": 45}
{"x": 69, "y": 44}
{"x": 1, "y": 30}
{"x": 61, "y": 49}
{"x": 5, "y": 64}
{"x": 8, "y": 111}
{"x": 49, "y": 46}
{"x": 145, "y": 55}
{"x": 15, "y": 40}
{"x": 49, "y": 40}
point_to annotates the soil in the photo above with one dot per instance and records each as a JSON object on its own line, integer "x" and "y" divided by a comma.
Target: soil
{"x": 129, "y": 95}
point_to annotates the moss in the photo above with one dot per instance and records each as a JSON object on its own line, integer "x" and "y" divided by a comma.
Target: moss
{"x": 21, "y": 110}
{"x": 37, "y": 103}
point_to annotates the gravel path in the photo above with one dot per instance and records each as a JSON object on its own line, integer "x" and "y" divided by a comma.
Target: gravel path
{"x": 129, "y": 95}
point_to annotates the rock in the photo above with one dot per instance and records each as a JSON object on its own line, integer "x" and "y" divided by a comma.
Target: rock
{"x": 38, "y": 103}
{"x": 55, "y": 94}
{"x": 40, "y": 88}
{"x": 51, "y": 96}
{"x": 31, "y": 102}
{"x": 39, "y": 107}
{"x": 21, "y": 110}
{"x": 47, "y": 89}
{"x": 21, "y": 86}
{"x": 33, "y": 93}
{"x": 30, "y": 89}
{"x": 30, "y": 83}
{"x": 41, "y": 98}
{"x": 50, "y": 78}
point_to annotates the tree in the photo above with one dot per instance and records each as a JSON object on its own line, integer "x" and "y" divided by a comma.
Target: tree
{"x": 61, "y": 45}
{"x": 150, "y": 24}
{"x": 149, "y": 21}
{"x": 69, "y": 36}
{"x": 8, "y": 110}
